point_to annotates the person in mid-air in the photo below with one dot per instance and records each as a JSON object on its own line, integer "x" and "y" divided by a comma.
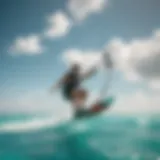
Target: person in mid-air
{"x": 70, "y": 84}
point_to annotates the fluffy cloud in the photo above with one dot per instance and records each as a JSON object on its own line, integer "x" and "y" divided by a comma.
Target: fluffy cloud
{"x": 137, "y": 103}
{"x": 59, "y": 25}
{"x": 29, "y": 45}
{"x": 155, "y": 84}
{"x": 80, "y": 9}
{"x": 86, "y": 59}
{"x": 138, "y": 59}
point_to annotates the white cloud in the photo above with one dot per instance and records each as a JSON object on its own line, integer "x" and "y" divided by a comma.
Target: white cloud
{"x": 29, "y": 45}
{"x": 86, "y": 59}
{"x": 81, "y": 9}
{"x": 155, "y": 84}
{"x": 138, "y": 59}
{"x": 59, "y": 25}
{"x": 136, "y": 103}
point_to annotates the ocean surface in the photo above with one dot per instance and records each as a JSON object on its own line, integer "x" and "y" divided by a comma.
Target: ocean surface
{"x": 112, "y": 137}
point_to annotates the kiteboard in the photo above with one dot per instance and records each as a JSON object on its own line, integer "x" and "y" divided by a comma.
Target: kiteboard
{"x": 96, "y": 108}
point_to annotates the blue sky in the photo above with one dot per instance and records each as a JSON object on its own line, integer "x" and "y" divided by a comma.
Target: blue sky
{"x": 35, "y": 36}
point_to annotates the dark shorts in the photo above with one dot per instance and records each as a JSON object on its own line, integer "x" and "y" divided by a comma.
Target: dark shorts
{"x": 67, "y": 93}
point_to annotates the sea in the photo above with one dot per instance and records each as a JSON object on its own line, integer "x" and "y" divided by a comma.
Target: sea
{"x": 105, "y": 137}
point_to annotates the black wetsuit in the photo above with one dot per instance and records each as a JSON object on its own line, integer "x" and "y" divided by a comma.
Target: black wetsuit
{"x": 72, "y": 82}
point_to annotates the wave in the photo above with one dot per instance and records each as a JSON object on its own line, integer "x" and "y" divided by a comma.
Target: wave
{"x": 100, "y": 138}
{"x": 32, "y": 124}
{"x": 36, "y": 123}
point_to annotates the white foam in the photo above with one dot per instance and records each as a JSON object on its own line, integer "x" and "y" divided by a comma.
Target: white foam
{"x": 31, "y": 125}
{"x": 142, "y": 121}
{"x": 79, "y": 127}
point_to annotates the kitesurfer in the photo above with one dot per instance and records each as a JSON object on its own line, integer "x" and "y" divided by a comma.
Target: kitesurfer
{"x": 70, "y": 84}
{"x": 71, "y": 81}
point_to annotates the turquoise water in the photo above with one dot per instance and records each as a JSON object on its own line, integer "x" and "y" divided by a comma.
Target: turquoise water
{"x": 25, "y": 137}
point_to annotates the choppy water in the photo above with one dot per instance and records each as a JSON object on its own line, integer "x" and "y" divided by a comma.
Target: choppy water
{"x": 100, "y": 138}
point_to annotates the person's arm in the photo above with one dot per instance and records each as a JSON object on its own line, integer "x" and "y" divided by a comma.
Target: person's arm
{"x": 90, "y": 73}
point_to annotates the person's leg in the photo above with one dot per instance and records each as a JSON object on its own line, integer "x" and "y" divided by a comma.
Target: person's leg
{"x": 78, "y": 101}
{"x": 78, "y": 97}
